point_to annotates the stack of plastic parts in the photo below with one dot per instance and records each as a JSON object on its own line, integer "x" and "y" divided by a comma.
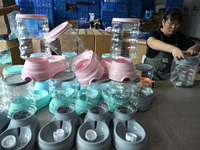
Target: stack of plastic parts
{"x": 21, "y": 132}
{"x": 59, "y": 133}
{"x": 127, "y": 133}
{"x": 63, "y": 90}
{"x": 94, "y": 133}
{"x": 17, "y": 95}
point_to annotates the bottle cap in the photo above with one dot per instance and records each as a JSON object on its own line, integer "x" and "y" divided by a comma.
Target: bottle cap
{"x": 9, "y": 142}
{"x": 59, "y": 135}
{"x": 131, "y": 137}
{"x": 90, "y": 135}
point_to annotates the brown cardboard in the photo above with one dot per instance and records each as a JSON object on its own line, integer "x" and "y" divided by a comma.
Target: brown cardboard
{"x": 15, "y": 54}
{"x": 102, "y": 42}
{"x": 141, "y": 51}
{"x": 1, "y": 69}
{"x": 87, "y": 37}
{"x": 5, "y": 44}
{"x": 74, "y": 23}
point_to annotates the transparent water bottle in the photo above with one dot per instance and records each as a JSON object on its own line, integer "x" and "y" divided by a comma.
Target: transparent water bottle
{"x": 124, "y": 38}
{"x": 31, "y": 30}
{"x": 121, "y": 93}
{"x": 63, "y": 89}
{"x": 64, "y": 37}
{"x": 17, "y": 95}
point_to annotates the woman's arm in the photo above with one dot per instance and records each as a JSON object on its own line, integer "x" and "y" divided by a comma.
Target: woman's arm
{"x": 193, "y": 50}
{"x": 162, "y": 46}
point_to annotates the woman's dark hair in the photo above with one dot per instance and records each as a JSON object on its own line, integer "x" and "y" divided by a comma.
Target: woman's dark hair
{"x": 172, "y": 14}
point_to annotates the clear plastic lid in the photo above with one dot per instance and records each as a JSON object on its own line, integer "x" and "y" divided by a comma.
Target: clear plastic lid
{"x": 189, "y": 61}
{"x": 90, "y": 135}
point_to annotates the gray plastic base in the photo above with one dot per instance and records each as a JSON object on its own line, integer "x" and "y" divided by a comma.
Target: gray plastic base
{"x": 24, "y": 126}
{"x": 132, "y": 126}
{"x": 65, "y": 118}
{"x": 4, "y": 121}
{"x": 98, "y": 113}
{"x": 103, "y": 140}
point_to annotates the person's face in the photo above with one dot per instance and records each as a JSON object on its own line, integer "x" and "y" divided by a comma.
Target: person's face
{"x": 99, "y": 23}
{"x": 170, "y": 27}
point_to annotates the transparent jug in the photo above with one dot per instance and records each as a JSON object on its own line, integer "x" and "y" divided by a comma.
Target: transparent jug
{"x": 63, "y": 89}
{"x": 31, "y": 30}
{"x": 184, "y": 71}
{"x": 124, "y": 38}
{"x": 64, "y": 38}
{"x": 17, "y": 95}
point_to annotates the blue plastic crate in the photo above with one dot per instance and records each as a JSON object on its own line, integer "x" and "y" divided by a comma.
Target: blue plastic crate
{"x": 107, "y": 24}
{"x": 25, "y": 3}
{"x": 96, "y": 15}
{"x": 82, "y": 8}
{"x": 95, "y": 2}
{"x": 83, "y": 0}
{"x": 43, "y": 3}
{"x": 27, "y": 10}
{"x": 135, "y": 3}
{"x": 108, "y": 6}
{"x": 180, "y": 7}
{"x": 107, "y": 16}
{"x": 71, "y": 1}
{"x": 82, "y": 23}
{"x": 48, "y": 12}
{"x": 121, "y": 7}
{"x": 134, "y": 14}
{"x": 121, "y": 14}
{"x": 59, "y": 5}
{"x": 83, "y": 15}
{"x": 94, "y": 8}
{"x": 174, "y": 2}
{"x": 72, "y": 15}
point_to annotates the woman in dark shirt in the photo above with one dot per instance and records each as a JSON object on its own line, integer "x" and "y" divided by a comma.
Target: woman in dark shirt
{"x": 166, "y": 43}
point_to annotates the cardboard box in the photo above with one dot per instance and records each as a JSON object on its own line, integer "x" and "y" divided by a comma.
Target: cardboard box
{"x": 102, "y": 42}
{"x": 74, "y": 23}
{"x": 141, "y": 51}
{"x": 1, "y": 69}
{"x": 5, "y": 44}
{"x": 88, "y": 38}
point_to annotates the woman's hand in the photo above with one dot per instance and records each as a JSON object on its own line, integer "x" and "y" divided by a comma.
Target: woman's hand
{"x": 177, "y": 53}
{"x": 193, "y": 50}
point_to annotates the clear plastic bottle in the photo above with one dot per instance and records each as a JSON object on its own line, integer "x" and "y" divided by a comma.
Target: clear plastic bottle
{"x": 31, "y": 30}
{"x": 124, "y": 38}
{"x": 17, "y": 95}
{"x": 64, "y": 37}
{"x": 63, "y": 89}
{"x": 121, "y": 93}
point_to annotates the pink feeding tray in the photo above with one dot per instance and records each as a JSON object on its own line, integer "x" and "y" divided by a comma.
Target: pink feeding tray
{"x": 43, "y": 68}
{"x": 87, "y": 67}
{"x": 119, "y": 69}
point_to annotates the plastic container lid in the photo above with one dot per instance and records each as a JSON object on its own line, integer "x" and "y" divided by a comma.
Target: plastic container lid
{"x": 31, "y": 16}
{"x": 15, "y": 80}
{"x": 69, "y": 54}
{"x": 144, "y": 67}
{"x": 131, "y": 137}
{"x": 125, "y": 20}
{"x": 64, "y": 76}
{"x": 59, "y": 135}
{"x": 90, "y": 135}
{"x": 57, "y": 31}
{"x": 14, "y": 69}
{"x": 9, "y": 142}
